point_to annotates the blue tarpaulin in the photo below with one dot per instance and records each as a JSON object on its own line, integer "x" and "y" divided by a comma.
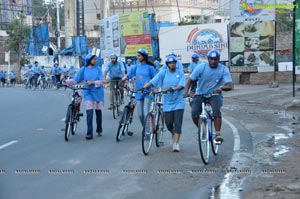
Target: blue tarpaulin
{"x": 38, "y": 41}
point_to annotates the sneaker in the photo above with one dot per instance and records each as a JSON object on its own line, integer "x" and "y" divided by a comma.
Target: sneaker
{"x": 176, "y": 147}
{"x": 110, "y": 107}
{"x": 130, "y": 133}
{"x": 89, "y": 137}
{"x": 99, "y": 133}
{"x": 219, "y": 138}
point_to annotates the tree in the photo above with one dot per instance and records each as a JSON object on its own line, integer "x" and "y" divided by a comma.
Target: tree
{"x": 18, "y": 33}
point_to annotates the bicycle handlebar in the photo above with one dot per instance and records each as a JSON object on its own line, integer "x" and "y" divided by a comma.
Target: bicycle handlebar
{"x": 77, "y": 87}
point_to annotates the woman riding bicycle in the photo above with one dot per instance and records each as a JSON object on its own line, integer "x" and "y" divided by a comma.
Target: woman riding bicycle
{"x": 94, "y": 97}
{"x": 172, "y": 80}
{"x": 143, "y": 72}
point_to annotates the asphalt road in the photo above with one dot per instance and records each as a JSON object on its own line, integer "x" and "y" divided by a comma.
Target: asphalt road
{"x": 36, "y": 162}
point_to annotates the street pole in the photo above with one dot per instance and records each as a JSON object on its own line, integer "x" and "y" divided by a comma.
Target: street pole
{"x": 178, "y": 11}
{"x": 294, "y": 47}
{"x": 58, "y": 26}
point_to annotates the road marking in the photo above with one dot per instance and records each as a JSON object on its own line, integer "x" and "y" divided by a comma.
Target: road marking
{"x": 236, "y": 145}
{"x": 8, "y": 144}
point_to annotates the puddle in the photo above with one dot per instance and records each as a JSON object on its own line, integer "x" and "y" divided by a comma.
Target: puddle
{"x": 280, "y": 150}
{"x": 284, "y": 115}
{"x": 230, "y": 188}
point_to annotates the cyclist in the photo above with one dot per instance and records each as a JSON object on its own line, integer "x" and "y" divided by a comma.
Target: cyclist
{"x": 172, "y": 80}
{"x": 116, "y": 72}
{"x": 129, "y": 65}
{"x": 65, "y": 72}
{"x": 210, "y": 77}
{"x": 94, "y": 97}
{"x": 143, "y": 72}
{"x": 36, "y": 72}
{"x": 72, "y": 72}
{"x": 195, "y": 62}
{"x": 178, "y": 63}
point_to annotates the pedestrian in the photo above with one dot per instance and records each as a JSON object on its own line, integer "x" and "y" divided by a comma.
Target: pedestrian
{"x": 178, "y": 63}
{"x": 142, "y": 73}
{"x": 2, "y": 78}
{"x": 116, "y": 72}
{"x": 210, "y": 77}
{"x": 12, "y": 77}
{"x": 92, "y": 77}
{"x": 171, "y": 80}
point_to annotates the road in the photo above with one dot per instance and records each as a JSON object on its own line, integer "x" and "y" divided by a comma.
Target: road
{"x": 36, "y": 162}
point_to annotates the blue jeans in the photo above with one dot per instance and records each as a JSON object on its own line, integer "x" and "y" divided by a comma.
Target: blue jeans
{"x": 143, "y": 108}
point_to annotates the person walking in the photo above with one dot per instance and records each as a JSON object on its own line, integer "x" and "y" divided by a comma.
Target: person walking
{"x": 92, "y": 77}
{"x": 171, "y": 80}
{"x": 142, "y": 73}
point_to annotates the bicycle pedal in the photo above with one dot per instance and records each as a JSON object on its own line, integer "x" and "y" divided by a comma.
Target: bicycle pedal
{"x": 129, "y": 133}
{"x": 218, "y": 142}
{"x": 80, "y": 114}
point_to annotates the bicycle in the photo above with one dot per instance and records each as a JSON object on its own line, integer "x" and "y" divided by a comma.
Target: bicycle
{"x": 73, "y": 115}
{"x": 127, "y": 115}
{"x": 116, "y": 99}
{"x": 206, "y": 133}
{"x": 154, "y": 124}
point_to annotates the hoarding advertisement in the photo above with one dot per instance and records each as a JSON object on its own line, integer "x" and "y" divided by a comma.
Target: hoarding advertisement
{"x": 186, "y": 40}
{"x": 134, "y": 33}
{"x": 252, "y": 33}
{"x": 110, "y": 36}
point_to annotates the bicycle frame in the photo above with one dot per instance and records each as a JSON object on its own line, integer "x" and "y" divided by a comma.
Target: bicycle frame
{"x": 206, "y": 135}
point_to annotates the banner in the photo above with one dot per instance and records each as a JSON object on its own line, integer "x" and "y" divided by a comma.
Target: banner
{"x": 189, "y": 39}
{"x": 134, "y": 33}
{"x": 252, "y": 33}
{"x": 110, "y": 36}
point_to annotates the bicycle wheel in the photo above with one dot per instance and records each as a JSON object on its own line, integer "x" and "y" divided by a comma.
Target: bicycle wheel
{"x": 203, "y": 141}
{"x": 122, "y": 124}
{"x": 214, "y": 144}
{"x": 116, "y": 105}
{"x": 118, "y": 102}
{"x": 69, "y": 123}
{"x": 160, "y": 127}
{"x": 147, "y": 134}
{"x": 74, "y": 121}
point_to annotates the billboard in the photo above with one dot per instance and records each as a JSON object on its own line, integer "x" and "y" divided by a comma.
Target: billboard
{"x": 189, "y": 39}
{"x": 109, "y": 36}
{"x": 134, "y": 33}
{"x": 252, "y": 33}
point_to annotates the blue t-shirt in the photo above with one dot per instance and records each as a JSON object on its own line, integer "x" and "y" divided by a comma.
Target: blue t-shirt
{"x": 179, "y": 66}
{"x": 115, "y": 70}
{"x": 128, "y": 68}
{"x": 143, "y": 73}
{"x": 166, "y": 79}
{"x": 91, "y": 74}
{"x": 193, "y": 65}
{"x": 210, "y": 78}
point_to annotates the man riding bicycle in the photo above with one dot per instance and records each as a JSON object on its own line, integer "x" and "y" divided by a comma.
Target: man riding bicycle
{"x": 210, "y": 77}
{"x": 116, "y": 72}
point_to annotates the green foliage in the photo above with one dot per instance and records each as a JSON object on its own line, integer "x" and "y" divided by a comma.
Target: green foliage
{"x": 18, "y": 33}
{"x": 284, "y": 20}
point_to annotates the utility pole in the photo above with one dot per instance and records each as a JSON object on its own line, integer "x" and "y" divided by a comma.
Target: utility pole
{"x": 178, "y": 11}
{"x": 57, "y": 32}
